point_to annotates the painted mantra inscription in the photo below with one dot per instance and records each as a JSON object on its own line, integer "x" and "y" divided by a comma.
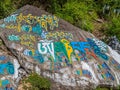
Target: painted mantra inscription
{"x": 45, "y": 47}
{"x": 48, "y": 47}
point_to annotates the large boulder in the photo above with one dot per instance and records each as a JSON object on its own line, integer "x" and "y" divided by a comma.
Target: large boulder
{"x": 32, "y": 40}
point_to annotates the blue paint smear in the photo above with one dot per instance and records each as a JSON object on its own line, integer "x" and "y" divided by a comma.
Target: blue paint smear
{"x": 8, "y": 66}
{"x": 78, "y": 72}
{"x": 80, "y": 46}
{"x": 86, "y": 72}
{"x": 11, "y": 18}
{"x": 38, "y": 57}
{"x": 28, "y": 52}
{"x": 97, "y": 49}
{"x": 8, "y": 88}
{"x": 2, "y": 25}
{"x": 25, "y": 28}
{"x": 109, "y": 75}
{"x": 37, "y": 29}
{"x": 104, "y": 65}
{"x": 2, "y": 57}
{"x": 14, "y": 38}
{"x": 5, "y": 82}
{"x": 43, "y": 34}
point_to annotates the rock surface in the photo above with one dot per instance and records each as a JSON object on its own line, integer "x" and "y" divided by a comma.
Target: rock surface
{"x": 34, "y": 40}
{"x": 114, "y": 43}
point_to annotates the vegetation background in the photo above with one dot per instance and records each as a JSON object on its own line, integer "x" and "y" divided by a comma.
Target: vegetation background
{"x": 101, "y": 17}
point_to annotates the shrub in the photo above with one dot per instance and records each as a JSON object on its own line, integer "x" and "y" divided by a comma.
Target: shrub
{"x": 37, "y": 82}
{"x": 78, "y": 13}
{"x": 113, "y": 27}
{"x": 6, "y": 8}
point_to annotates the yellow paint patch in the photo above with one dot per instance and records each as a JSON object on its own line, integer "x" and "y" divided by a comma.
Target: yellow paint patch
{"x": 69, "y": 49}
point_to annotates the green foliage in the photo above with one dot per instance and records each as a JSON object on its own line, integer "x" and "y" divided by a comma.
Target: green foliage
{"x": 6, "y": 8}
{"x": 113, "y": 27}
{"x": 81, "y": 13}
{"x": 78, "y": 13}
{"x": 107, "y": 8}
{"x": 20, "y": 3}
{"x": 99, "y": 88}
{"x": 107, "y": 88}
{"x": 118, "y": 87}
{"x": 103, "y": 88}
{"x": 55, "y": 5}
{"x": 37, "y": 82}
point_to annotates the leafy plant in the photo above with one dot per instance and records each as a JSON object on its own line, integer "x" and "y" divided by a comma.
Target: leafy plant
{"x": 6, "y": 8}
{"x": 113, "y": 27}
{"x": 118, "y": 87}
{"x": 37, "y": 82}
{"x": 101, "y": 88}
{"x": 107, "y": 8}
{"x": 78, "y": 13}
